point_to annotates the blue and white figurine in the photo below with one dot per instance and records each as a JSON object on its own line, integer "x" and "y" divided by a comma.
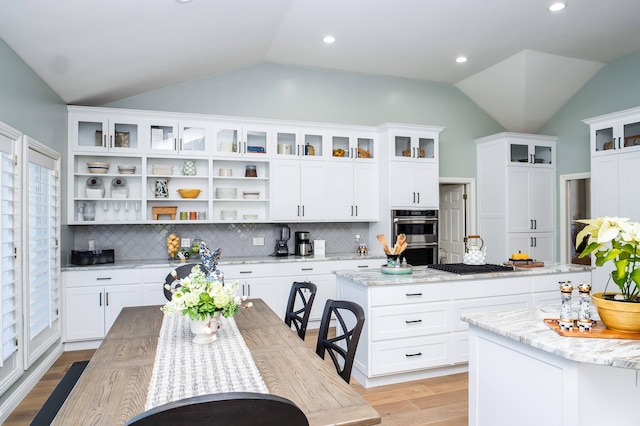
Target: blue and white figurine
{"x": 566, "y": 321}
{"x": 210, "y": 262}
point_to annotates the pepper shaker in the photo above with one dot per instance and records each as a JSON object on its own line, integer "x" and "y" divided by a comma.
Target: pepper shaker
{"x": 584, "y": 314}
{"x": 566, "y": 322}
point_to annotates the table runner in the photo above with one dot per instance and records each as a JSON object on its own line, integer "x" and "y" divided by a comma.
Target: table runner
{"x": 183, "y": 369}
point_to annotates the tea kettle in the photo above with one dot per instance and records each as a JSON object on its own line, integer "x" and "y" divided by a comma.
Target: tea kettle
{"x": 474, "y": 254}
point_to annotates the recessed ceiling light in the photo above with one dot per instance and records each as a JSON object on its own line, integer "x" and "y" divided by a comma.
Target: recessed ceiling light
{"x": 329, "y": 39}
{"x": 461, "y": 59}
{"x": 555, "y": 7}
{"x": 183, "y": 1}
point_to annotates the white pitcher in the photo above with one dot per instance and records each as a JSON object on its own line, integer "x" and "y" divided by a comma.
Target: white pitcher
{"x": 160, "y": 188}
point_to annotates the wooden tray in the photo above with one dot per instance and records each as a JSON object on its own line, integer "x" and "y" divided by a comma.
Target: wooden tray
{"x": 598, "y": 331}
{"x": 524, "y": 263}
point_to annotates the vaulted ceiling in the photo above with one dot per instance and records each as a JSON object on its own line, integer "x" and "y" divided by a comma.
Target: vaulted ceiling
{"x": 524, "y": 62}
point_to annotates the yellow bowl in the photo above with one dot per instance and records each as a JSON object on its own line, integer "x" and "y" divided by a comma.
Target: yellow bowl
{"x": 189, "y": 193}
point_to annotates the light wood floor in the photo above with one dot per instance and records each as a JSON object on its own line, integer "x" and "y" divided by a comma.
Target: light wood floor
{"x": 436, "y": 402}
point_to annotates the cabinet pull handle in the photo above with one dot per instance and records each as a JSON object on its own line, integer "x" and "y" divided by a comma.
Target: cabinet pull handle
{"x": 103, "y": 278}
{"x": 307, "y": 269}
{"x": 415, "y": 152}
{"x": 532, "y": 158}
{"x": 100, "y": 300}
{"x": 535, "y": 241}
{"x": 530, "y": 224}
{"x": 413, "y": 294}
{"x": 106, "y": 299}
{"x": 249, "y": 290}
{"x": 298, "y": 210}
{"x": 110, "y": 141}
{"x": 352, "y": 211}
{"x": 246, "y": 272}
{"x": 356, "y": 211}
{"x": 562, "y": 282}
{"x": 619, "y": 142}
{"x": 363, "y": 266}
{"x": 413, "y": 321}
{"x": 530, "y": 241}
{"x": 418, "y": 197}
{"x": 180, "y": 144}
{"x": 104, "y": 142}
{"x": 303, "y": 210}
{"x": 414, "y": 197}
{"x": 535, "y": 224}
{"x": 416, "y": 354}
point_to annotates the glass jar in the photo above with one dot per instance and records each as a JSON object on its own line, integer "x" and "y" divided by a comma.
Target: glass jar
{"x": 251, "y": 171}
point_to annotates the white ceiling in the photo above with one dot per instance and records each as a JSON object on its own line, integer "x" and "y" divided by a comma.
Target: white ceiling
{"x": 92, "y": 52}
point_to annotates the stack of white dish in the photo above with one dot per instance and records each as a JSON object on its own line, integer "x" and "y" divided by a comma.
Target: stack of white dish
{"x": 159, "y": 169}
{"x": 225, "y": 172}
{"x": 228, "y": 214}
{"x": 251, "y": 195}
{"x": 226, "y": 193}
{"x": 127, "y": 170}
{"x": 98, "y": 167}
{"x": 249, "y": 216}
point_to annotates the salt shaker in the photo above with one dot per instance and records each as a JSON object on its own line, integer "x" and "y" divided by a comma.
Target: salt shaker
{"x": 584, "y": 314}
{"x": 566, "y": 322}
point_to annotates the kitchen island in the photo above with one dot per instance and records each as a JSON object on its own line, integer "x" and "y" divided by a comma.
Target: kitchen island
{"x": 413, "y": 328}
{"x": 522, "y": 373}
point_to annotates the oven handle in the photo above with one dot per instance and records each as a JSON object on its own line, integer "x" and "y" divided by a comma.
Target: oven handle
{"x": 412, "y": 221}
{"x": 420, "y": 246}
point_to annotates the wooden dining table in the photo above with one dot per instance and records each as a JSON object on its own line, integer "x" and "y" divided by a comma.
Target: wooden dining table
{"x": 113, "y": 387}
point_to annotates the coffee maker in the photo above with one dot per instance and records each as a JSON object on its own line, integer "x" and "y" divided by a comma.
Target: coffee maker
{"x": 303, "y": 244}
{"x": 282, "y": 249}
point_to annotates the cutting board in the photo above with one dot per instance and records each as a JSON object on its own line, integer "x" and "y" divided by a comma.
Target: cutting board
{"x": 524, "y": 264}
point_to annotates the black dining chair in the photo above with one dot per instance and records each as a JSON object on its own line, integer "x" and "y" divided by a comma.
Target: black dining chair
{"x": 240, "y": 408}
{"x": 182, "y": 271}
{"x": 348, "y": 336}
{"x": 300, "y": 317}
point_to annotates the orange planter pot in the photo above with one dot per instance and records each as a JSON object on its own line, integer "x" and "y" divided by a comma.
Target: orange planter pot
{"x": 616, "y": 315}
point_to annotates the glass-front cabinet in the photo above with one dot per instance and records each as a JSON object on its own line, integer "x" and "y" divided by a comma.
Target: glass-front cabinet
{"x": 241, "y": 140}
{"x": 104, "y": 133}
{"x": 530, "y": 152}
{"x": 413, "y": 147}
{"x": 183, "y": 138}
{"x": 353, "y": 146}
{"x": 306, "y": 143}
{"x": 616, "y": 135}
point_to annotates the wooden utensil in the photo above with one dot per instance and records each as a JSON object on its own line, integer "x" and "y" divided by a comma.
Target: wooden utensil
{"x": 400, "y": 240}
{"x": 383, "y": 241}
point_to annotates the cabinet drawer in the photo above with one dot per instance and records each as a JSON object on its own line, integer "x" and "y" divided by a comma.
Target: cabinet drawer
{"x": 391, "y": 322}
{"x": 404, "y": 294}
{"x": 102, "y": 277}
{"x": 491, "y": 287}
{"x": 504, "y": 303}
{"x": 394, "y": 356}
{"x": 254, "y": 270}
{"x": 364, "y": 263}
{"x": 305, "y": 268}
{"x": 552, "y": 282}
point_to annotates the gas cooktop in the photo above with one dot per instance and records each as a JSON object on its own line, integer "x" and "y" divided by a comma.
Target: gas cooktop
{"x": 461, "y": 268}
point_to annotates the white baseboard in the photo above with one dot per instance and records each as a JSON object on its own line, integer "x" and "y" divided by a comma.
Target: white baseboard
{"x": 31, "y": 378}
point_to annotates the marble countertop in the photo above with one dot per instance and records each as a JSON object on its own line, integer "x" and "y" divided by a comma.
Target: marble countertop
{"x": 527, "y": 327}
{"x": 238, "y": 260}
{"x": 422, "y": 274}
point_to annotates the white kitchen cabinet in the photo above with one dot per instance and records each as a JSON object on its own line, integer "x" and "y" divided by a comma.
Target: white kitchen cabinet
{"x": 102, "y": 131}
{"x": 257, "y": 281}
{"x": 299, "y": 190}
{"x": 309, "y": 144}
{"x": 318, "y": 273}
{"x": 353, "y": 191}
{"x": 615, "y": 132}
{"x": 411, "y": 165}
{"x": 178, "y": 137}
{"x": 530, "y": 209}
{"x": 516, "y": 195}
{"x": 93, "y": 300}
{"x": 241, "y": 139}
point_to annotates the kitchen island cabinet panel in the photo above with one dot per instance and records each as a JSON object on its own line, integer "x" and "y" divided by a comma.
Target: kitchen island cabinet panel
{"x": 414, "y": 320}
{"x": 486, "y": 304}
{"x": 416, "y": 353}
{"x": 472, "y": 289}
{"x": 409, "y": 294}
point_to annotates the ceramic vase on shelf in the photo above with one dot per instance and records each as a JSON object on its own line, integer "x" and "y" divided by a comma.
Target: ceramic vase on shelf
{"x": 205, "y": 331}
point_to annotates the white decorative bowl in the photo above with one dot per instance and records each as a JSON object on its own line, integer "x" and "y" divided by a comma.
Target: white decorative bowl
{"x": 228, "y": 214}
{"x": 251, "y": 195}
{"x": 249, "y": 217}
{"x": 127, "y": 170}
{"x": 97, "y": 167}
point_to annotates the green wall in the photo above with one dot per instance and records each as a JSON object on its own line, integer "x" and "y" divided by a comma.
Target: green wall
{"x": 614, "y": 88}
{"x": 275, "y": 91}
{"x": 28, "y": 104}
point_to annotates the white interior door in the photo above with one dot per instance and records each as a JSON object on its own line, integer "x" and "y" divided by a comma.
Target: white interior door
{"x": 452, "y": 223}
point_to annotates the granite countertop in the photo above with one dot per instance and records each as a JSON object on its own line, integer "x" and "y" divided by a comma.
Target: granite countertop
{"x": 238, "y": 260}
{"x": 422, "y": 274}
{"x": 527, "y": 327}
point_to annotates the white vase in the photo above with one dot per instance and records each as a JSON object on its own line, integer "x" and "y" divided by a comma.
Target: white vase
{"x": 205, "y": 331}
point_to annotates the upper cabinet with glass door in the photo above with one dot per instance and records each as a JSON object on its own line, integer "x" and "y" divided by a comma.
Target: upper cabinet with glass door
{"x": 102, "y": 132}
{"x": 236, "y": 140}
{"x": 411, "y": 146}
{"x": 182, "y": 138}
{"x": 353, "y": 145}
{"x": 614, "y": 133}
{"x": 528, "y": 150}
{"x": 305, "y": 144}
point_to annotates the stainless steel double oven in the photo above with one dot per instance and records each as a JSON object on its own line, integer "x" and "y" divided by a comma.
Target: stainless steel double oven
{"x": 421, "y": 229}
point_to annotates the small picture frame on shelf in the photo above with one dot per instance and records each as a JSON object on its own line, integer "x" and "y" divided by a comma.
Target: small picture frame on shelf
{"x": 632, "y": 140}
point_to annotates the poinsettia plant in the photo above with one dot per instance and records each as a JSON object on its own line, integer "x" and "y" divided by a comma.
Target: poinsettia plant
{"x": 615, "y": 240}
{"x": 201, "y": 296}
